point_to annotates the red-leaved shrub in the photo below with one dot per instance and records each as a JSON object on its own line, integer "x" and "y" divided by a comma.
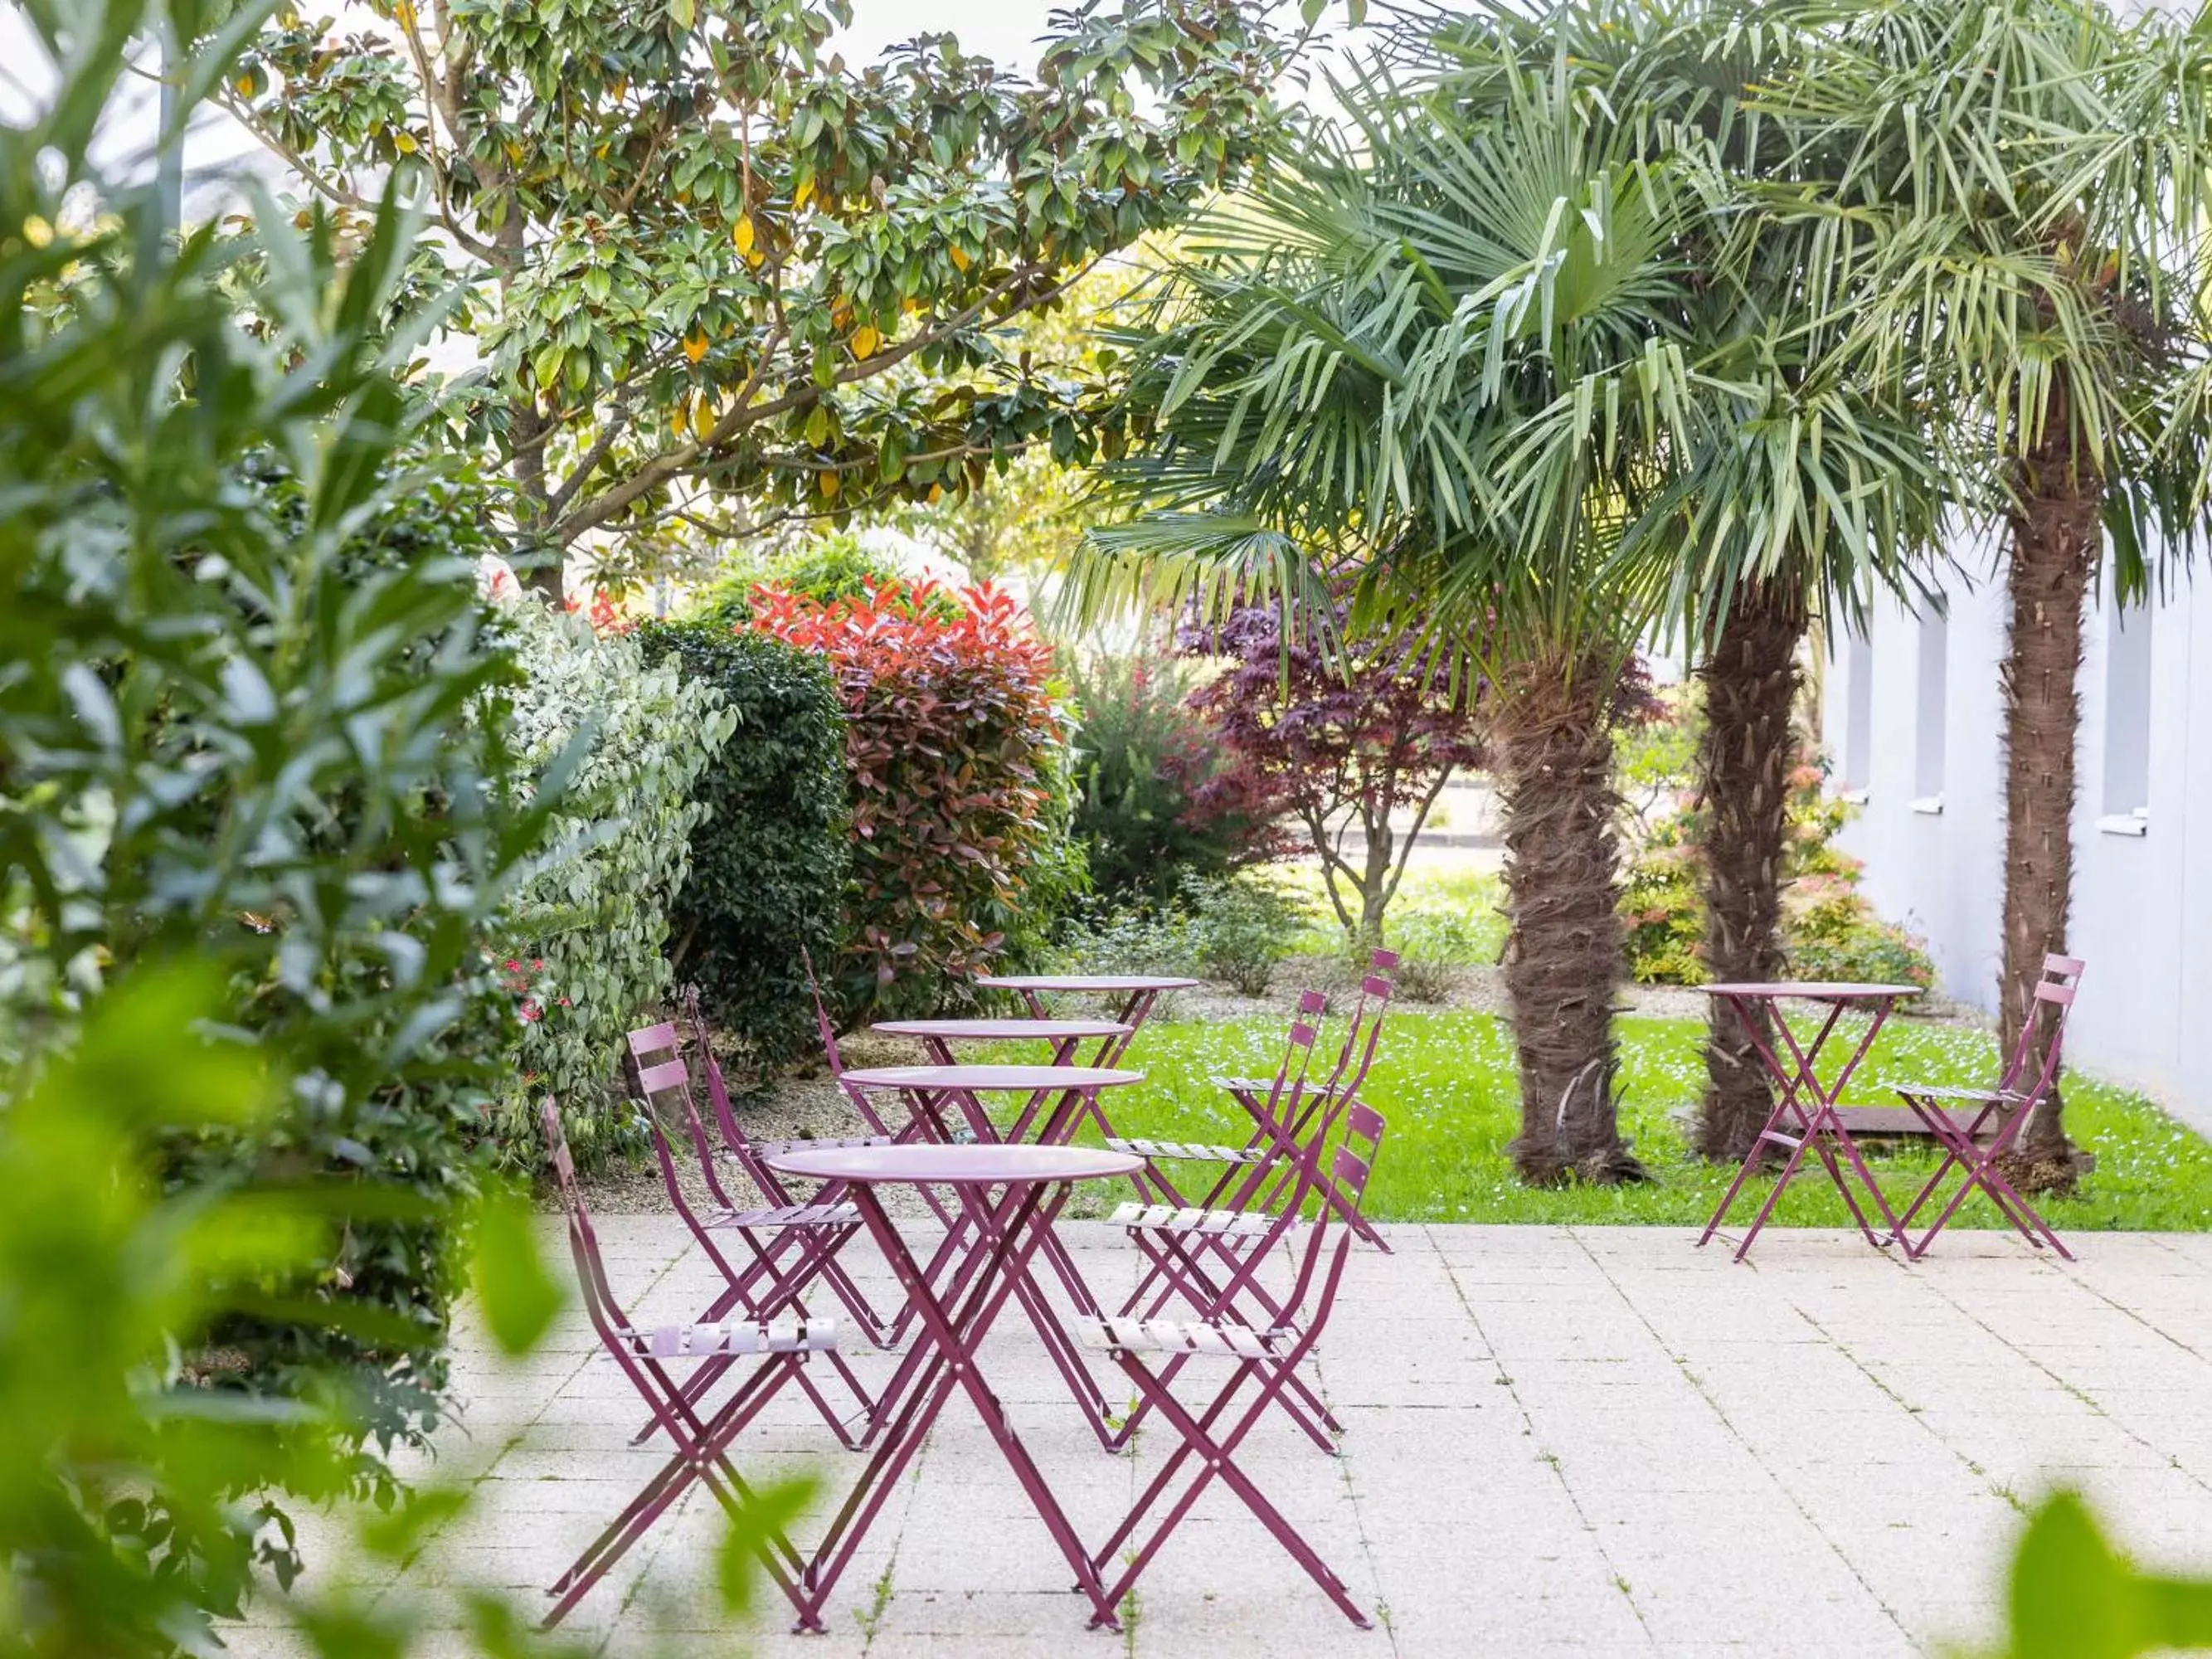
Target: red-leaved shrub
{"x": 951, "y": 727}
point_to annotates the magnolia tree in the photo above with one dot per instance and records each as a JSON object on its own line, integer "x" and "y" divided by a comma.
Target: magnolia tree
{"x": 1340, "y": 741}
{"x": 714, "y": 275}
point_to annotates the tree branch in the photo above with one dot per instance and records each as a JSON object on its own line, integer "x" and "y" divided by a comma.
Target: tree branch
{"x": 248, "y": 118}
{"x": 558, "y": 500}
{"x": 669, "y": 463}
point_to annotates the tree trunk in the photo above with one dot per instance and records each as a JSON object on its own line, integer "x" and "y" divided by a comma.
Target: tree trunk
{"x": 527, "y": 433}
{"x": 526, "y": 430}
{"x": 1553, "y": 728}
{"x": 1751, "y": 683}
{"x": 2056, "y": 541}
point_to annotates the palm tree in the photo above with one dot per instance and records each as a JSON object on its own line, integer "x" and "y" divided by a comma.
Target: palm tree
{"x": 1443, "y": 368}
{"x": 2006, "y": 222}
{"x": 1803, "y": 493}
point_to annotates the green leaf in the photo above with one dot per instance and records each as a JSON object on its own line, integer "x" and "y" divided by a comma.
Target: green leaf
{"x": 399, "y": 1533}
{"x": 520, "y": 1298}
{"x": 766, "y": 1513}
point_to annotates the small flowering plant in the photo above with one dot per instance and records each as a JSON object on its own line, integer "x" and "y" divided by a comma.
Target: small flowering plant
{"x": 527, "y": 981}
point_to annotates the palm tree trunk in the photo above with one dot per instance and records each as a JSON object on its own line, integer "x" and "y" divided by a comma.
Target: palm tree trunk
{"x": 1553, "y": 733}
{"x": 1751, "y": 683}
{"x": 2056, "y": 541}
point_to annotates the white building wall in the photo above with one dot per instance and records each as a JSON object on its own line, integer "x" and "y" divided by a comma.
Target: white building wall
{"x": 2142, "y": 881}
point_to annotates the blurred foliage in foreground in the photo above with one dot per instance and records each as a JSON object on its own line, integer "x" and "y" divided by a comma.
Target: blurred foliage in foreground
{"x": 2073, "y": 1597}
{"x": 249, "y": 717}
{"x": 129, "y": 1513}
{"x": 248, "y": 722}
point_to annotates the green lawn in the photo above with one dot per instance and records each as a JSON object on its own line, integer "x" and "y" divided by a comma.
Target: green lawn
{"x": 1444, "y": 1081}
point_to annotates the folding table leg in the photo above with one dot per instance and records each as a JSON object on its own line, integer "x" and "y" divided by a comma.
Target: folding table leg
{"x": 952, "y": 1339}
{"x": 1216, "y": 1457}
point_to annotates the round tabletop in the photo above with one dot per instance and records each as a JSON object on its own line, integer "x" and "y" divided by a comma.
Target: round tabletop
{"x": 990, "y": 1166}
{"x": 1085, "y": 983}
{"x": 1002, "y": 1031}
{"x": 972, "y": 1078}
{"x": 1810, "y": 990}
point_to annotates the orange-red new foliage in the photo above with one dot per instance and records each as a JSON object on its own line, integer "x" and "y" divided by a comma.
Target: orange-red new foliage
{"x": 951, "y": 724}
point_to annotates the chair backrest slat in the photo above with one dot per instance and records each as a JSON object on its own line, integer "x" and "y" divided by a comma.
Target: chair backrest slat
{"x": 2056, "y": 989}
{"x": 668, "y": 1074}
{"x": 653, "y": 1039}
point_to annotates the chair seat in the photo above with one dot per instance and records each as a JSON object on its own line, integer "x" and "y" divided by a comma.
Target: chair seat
{"x": 1218, "y": 1223}
{"x": 1192, "y": 1151}
{"x": 1205, "y": 1337}
{"x": 786, "y": 1335}
{"x": 1951, "y": 1091}
{"x": 1261, "y": 1085}
{"x": 789, "y": 1215}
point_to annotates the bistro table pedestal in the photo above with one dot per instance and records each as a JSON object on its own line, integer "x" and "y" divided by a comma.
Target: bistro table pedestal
{"x": 1013, "y": 1193}
{"x": 946, "y": 1101}
{"x": 1804, "y": 1118}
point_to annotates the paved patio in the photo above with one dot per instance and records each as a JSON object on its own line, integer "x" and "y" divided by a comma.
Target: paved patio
{"x": 1592, "y": 1441}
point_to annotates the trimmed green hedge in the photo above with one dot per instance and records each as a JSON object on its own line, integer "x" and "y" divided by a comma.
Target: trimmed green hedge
{"x": 768, "y": 864}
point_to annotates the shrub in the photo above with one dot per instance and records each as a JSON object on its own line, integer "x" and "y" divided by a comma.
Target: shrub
{"x": 950, "y": 742}
{"x": 1829, "y": 930}
{"x": 769, "y": 860}
{"x": 591, "y": 926}
{"x": 1434, "y": 948}
{"x": 1831, "y": 933}
{"x": 822, "y": 568}
{"x": 1127, "y": 939}
{"x": 1058, "y": 881}
{"x": 1239, "y": 928}
{"x": 1141, "y": 758}
{"x": 1663, "y": 912}
{"x": 242, "y": 638}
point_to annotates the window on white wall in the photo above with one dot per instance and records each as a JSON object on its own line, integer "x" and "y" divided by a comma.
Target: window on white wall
{"x": 1928, "y": 724}
{"x": 2127, "y": 709}
{"x": 1858, "y": 714}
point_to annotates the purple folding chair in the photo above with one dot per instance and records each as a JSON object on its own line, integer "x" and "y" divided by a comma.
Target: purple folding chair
{"x": 701, "y": 1442}
{"x": 790, "y": 1246}
{"x": 1268, "y": 1356}
{"x": 1977, "y": 1127}
{"x": 1212, "y": 1260}
{"x": 1255, "y": 1174}
{"x": 1181, "y": 1218}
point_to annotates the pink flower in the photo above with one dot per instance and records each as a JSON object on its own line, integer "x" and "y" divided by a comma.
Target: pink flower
{"x": 514, "y": 966}
{"x": 530, "y": 1012}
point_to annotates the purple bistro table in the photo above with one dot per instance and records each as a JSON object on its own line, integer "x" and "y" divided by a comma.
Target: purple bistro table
{"x": 929, "y": 1091}
{"x": 1819, "y": 1130}
{"x": 1140, "y": 993}
{"x": 937, "y": 1035}
{"x": 1031, "y": 1184}
{"x": 1058, "y": 1093}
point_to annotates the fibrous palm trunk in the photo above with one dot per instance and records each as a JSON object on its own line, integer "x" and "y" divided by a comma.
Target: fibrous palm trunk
{"x": 1751, "y": 682}
{"x": 1553, "y": 733}
{"x": 2055, "y": 540}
